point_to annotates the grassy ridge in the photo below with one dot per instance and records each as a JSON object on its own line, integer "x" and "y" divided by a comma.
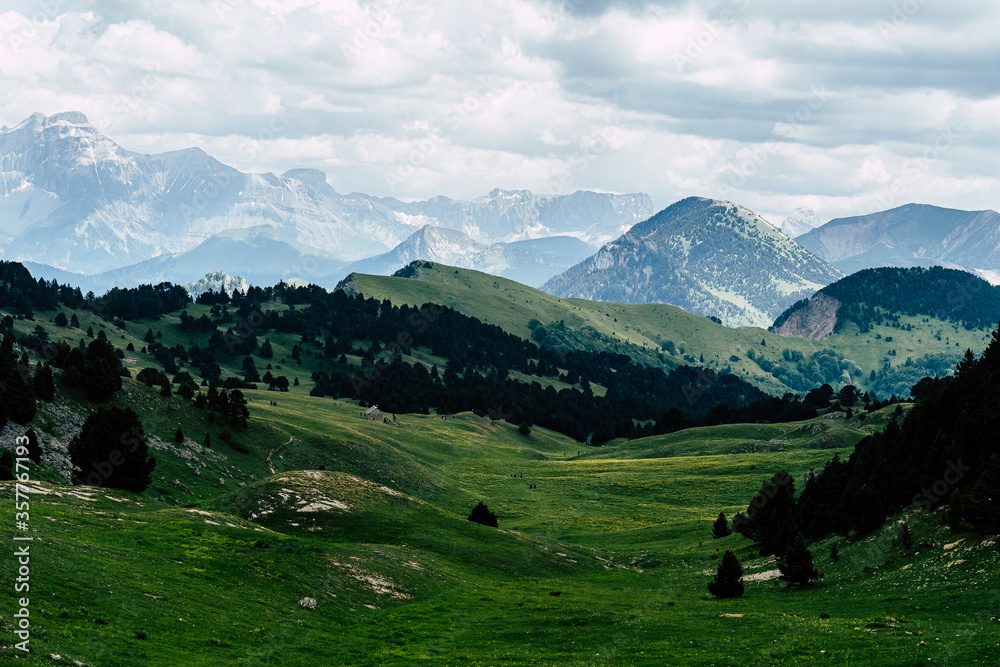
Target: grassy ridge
{"x": 641, "y": 330}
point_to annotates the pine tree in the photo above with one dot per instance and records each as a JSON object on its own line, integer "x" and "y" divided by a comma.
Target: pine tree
{"x": 34, "y": 449}
{"x": 44, "y": 383}
{"x": 266, "y": 351}
{"x": 179, "y": 435}
{"x": 726, "y": 583}
{"x": 111, "y": 451}
{"x": 721, "y": 527}
{"x": 6, "y": 465}
{"x": 796, "y": 565}
{"x": 835, "y": 553}
{"x": 481, "y": 514}
{"x": 61, "y": 320}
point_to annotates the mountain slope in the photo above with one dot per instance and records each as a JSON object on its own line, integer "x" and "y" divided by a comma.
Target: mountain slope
{"x": 910, "y": 235}
{"x": 708, "y": 257}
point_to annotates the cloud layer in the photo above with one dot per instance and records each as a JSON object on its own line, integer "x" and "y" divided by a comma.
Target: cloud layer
{"x": 845, "y": 107}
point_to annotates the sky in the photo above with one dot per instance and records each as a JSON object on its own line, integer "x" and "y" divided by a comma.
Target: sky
{"x": 846, "y": 108}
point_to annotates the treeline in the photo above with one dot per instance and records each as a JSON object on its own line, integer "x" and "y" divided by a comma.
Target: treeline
{"x": 21, "y": 293}
{"x": 946, "y": 450}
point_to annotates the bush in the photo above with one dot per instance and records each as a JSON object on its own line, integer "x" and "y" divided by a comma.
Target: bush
{"x": 481, "y": 514}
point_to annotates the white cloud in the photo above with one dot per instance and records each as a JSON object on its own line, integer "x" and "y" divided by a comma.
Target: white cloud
{"x": 666, "y": 97}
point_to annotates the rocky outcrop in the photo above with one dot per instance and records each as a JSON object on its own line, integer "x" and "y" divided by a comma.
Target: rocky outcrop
{"x": 814, "y": 321}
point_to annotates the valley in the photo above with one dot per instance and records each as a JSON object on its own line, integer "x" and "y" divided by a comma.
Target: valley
{"x": 605, "y": 561}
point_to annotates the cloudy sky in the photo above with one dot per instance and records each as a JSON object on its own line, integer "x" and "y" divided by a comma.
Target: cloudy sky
{"x": 844, "y": 107}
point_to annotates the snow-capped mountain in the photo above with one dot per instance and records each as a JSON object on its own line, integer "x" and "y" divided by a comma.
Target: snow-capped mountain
{"x": 530, "y": 262}
{"x": 801, "y": 220}
{"x": 73, "y": 199}
{"x": 709, "y": 257}
{"x": 911, "y": 235}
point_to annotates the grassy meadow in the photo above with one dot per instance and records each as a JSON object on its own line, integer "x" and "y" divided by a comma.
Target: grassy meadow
{"x": 606, "y": 562}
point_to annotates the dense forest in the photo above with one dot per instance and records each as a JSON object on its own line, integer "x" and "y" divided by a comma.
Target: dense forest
{"x": 482, "y": 361}
{"x": 946, "y": 450}
{"x": 879, "y": 296}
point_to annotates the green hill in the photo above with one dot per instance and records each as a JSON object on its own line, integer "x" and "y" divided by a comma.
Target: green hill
{"x": 888, "y": 358}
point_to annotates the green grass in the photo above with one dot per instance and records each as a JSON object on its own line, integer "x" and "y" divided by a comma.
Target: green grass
{"x": 641, "y": 330}
{"x": 210, "y": 572}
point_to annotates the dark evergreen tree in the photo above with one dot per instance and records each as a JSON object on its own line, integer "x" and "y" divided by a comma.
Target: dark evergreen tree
{"x": 796, "y": 564}
{"x": 111, "y": 451}
{"x": 179, "y": 435}
{"x": 19, "y": 394}
{"x": 61, "y": 320}
{"x": 721, "y": 527}
{"x": 6, "y": 465}
{"x": 34, "y": 448}
{"x": 481, "y": 514}
{"x": 102, "y": 371}
{"x": 266, "y": 351}
{"x": 727, "y": 582}
{"x": 43, "y": 382}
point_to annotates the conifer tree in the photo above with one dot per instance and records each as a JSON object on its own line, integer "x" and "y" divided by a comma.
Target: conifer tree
{"x": 796, "y": 565}
{"x": 34, "y": 449}
{"x": 727, "y": 582}
{"x": 111, "y": 451}
{"x": 44, "y": 384}
{"x": 721, "y": 527}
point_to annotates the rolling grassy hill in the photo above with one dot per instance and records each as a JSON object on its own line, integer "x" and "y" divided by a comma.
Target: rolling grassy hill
{"x": 605, "y": 562}
{"x": 642, "y": 331}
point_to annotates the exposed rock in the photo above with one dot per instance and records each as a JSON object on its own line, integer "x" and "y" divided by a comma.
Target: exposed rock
{"x": 815, "y": 321}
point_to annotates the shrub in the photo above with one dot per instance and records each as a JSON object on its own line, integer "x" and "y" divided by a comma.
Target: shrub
{"x": 481, "y": 514}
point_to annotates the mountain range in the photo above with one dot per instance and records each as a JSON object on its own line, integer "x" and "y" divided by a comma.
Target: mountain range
{"x": 709, "y": 257}
{"x": 72, "y": 199}
{"x": 911, "y": 235}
